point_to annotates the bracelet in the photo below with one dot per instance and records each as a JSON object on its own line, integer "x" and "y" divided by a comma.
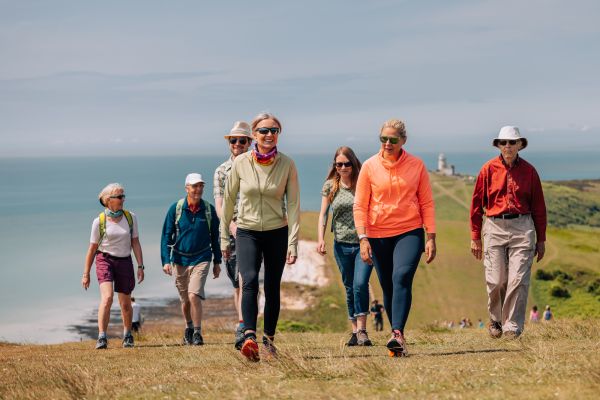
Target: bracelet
{"x": 142, "y": 267}
{"x": 362, "y": 236}
{"x": 86, "y": 274}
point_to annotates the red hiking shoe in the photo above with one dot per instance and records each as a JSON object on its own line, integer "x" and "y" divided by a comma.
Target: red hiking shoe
{"x": 250, "y": 349}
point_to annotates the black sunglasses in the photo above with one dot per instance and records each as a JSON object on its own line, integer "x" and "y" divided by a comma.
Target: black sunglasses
{"x": 511, "y": 142}
{"x": 241, "y": 141}
{"x": 391, "y": 139}
{"x": 264, "y": 131}
{"x": 118, "y": 196}
{"x": 342, "y": 164}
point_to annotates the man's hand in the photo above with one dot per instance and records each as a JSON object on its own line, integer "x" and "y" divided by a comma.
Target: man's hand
{"x": 476, "y": 248}
{"x": 540, "y": 250}
{"x": 216, "y": 270}
{"x": 167, "y": 269}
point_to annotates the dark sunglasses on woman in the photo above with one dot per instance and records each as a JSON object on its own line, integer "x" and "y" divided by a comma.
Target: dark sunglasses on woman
{"x": 391, "y": 139}
{"x": 342, "y": 164}
{"x": 118, "y": 196}
{"x": 241, "y": 141}
{"x": 264, "y": 131}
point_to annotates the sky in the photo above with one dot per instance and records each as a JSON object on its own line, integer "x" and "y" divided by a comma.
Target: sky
{"x": 155, "y": 77}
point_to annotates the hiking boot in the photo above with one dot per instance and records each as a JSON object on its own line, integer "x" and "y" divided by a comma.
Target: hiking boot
{"x": 269, "y": 347}
{"x": 128, "y": 341}
{"x": 396, "y": 345}
{"x": 197, "y": 339}
{"x": 494, "y": 329}
{"x": 188, "y": 336}
{"x": 353, "y": 341}
{"x": 239, "y": 337}
{"x": 250, "y": 349}
{"x": 102, "y": 343}
{"x": 362, "y": 339}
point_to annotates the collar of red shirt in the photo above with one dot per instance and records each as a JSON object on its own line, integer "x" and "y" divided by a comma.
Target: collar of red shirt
{"x": 517, "y": 160}
{"x": 194, "y": 208}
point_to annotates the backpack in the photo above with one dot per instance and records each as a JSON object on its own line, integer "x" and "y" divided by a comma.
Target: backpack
{"x": 179, "y": 212}
{"x": 102, "y": 224}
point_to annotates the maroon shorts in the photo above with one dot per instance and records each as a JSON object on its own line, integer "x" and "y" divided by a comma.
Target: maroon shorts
{"x": 116, "y": 269}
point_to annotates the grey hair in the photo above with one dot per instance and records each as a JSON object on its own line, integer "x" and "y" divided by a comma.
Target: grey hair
{"x": 262, "y": 116}
{"x": 395, "y": 124}
{"x": 108, "y": 191}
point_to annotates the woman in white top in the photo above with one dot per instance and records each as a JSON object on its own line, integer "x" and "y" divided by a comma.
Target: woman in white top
{"x": 114, "y": 235}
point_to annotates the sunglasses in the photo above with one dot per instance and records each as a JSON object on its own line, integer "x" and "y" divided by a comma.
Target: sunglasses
{"x": 391, "y": 139}
{"x": 265, "y": 131}
{"x": 118, "y": 196}
{"x": 241, "y": 141}
{"x": 342, "y": 164}
{"x": 504, "y": 142}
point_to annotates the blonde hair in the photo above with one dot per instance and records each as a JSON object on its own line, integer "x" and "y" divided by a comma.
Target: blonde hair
{"x": 262, "y": 117}
{"x": 108, "y": 191}
{"x": 395, "y": 124}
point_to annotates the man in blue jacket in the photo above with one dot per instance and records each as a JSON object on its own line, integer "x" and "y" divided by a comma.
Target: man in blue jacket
{"x": 190, "y": 240}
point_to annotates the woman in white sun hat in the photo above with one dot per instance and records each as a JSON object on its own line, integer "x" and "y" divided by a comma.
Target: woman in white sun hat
{"x": 514, "y": 232}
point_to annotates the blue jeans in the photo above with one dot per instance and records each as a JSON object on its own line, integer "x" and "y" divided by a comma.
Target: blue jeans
{"x": 396, "y": 259}
{"x": 355, "y": 276}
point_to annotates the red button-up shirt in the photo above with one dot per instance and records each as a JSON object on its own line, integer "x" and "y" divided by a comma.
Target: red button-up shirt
{"x": 501, "y": 189}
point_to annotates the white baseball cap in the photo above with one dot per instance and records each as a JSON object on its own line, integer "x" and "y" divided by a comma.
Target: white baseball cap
{"x": 193, "y": 178}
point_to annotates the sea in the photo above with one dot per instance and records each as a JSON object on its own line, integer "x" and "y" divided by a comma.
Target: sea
{"x": 47, "y": 206}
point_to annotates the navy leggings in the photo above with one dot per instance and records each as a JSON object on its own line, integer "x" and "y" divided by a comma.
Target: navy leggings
{"x": 252, "y": 247}
{"x": 396, "y": 259}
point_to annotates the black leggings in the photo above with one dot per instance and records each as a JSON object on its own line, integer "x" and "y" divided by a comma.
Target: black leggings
{"x": 396, "y": 259}
{"x": 252, "y": 247}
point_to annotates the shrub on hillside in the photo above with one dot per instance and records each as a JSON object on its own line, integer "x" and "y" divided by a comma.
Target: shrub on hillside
{"x": 594, "y": 287}
{"x": 562, "y": 276}
{"x": 542, "y": 275}
{"x": 557, "y": 290}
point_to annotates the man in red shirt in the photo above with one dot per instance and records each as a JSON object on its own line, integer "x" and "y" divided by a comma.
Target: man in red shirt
{"x": 510, "y": 191}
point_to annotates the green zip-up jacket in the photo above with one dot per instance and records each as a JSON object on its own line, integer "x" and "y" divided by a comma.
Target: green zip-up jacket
{"x": 261, "y": 205}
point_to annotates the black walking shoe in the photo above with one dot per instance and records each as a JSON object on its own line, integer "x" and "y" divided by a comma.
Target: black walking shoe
{"x": 197, "y": 339}
{"x": 353, "y": 341}
{"x": 128, "y": 341}
{"x": 362, "y": 339}
{"x": 188, "y": 336}
{"x": 102, "y": 343}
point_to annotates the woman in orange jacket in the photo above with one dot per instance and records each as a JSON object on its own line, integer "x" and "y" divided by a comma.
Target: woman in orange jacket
{"x": 393, "y": 203}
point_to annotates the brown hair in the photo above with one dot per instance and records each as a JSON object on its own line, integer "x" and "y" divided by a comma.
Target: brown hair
{"x": 334, "y": 176}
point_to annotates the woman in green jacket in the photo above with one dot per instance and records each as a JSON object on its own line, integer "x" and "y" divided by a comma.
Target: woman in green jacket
{"x": 267, "y": 226}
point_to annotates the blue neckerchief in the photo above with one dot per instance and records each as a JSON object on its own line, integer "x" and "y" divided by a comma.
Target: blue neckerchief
{"x": 113, "y": 214}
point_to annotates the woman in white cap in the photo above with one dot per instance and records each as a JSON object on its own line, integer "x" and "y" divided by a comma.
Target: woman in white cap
{"x": 509, "y": 191}
{"x": 114, "y": 235}
{"x": 239, "y": 140}
{"x": 267, "y": 226}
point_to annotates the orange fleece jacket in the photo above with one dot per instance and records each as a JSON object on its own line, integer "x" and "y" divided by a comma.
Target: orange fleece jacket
{"x": 393, "y": 197}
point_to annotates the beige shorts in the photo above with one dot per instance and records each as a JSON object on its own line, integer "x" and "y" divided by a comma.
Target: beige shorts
{"x": 191, "y": 280}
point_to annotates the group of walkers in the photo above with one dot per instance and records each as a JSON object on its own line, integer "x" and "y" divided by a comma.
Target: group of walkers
{"x": 383, "y": 216}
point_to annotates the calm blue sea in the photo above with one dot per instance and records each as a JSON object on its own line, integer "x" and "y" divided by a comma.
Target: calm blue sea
{"x": 47, "y": 206}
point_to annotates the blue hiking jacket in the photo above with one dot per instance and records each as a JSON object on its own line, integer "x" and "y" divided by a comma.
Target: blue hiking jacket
{"x": 195, "y": 243}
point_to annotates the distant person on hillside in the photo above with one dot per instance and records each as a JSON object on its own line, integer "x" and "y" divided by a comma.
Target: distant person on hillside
{"x": 377, "y": 311}
{"x": 509, "y": 191}
{"x": 338, "y": 194}
{"x": 480, "y": 323}
{"x": 114, "y": 235}
{"x": 239, "y": 139}
{"x": 136, "y": 320}
{"x": 392, "y": 205}
{"x": 534, "y": 315}
{"x": 268, "y": 213}
{"x": 190, "y": 241}
{"x": 548, "y": 314}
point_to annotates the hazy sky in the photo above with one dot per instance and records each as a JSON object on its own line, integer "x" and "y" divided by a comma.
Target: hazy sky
{"x": 146, "y": 77}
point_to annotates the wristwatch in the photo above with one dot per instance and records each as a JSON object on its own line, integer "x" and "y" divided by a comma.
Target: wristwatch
{"x": 142, "y": 267}
{"x": 362, "y": 236}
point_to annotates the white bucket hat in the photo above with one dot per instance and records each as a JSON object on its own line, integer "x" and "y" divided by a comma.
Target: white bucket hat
{"x": 193, "y": 178}
{"x": 240, "y": 128}
{"x": 510, "y": 133}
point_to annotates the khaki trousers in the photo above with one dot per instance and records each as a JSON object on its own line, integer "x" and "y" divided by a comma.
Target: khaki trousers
{"x": 509, "y": 247}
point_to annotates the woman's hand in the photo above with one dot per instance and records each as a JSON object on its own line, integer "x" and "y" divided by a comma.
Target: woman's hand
{"x": 290, "y": 258}
{"x": 233, "y": 229}
{"x": 85, "y": 280}
{"x": 365, "y": 251}
{"x": 321, "y": 248}
{"x": 226, "y": 253}
{"x": 140, "y": 275}
{"x": 430, "y": 250}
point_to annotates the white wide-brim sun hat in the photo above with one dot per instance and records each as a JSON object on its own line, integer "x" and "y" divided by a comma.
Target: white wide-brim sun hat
{"x": 510, "y": 133}
{"x": 240, "y": 129}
